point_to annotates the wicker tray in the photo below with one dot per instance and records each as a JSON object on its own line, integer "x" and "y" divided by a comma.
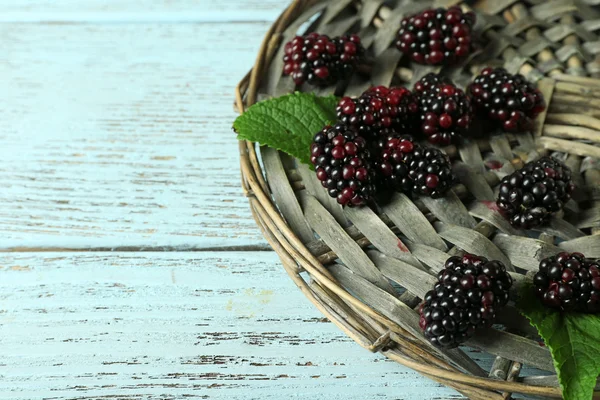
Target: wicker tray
{"x": 366, "y": 269}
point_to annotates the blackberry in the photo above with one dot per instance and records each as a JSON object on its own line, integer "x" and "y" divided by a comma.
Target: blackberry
{"x": 445, "y": 110}
{"x": 569, "y": 282}
{"x": 469, "y": 291}
{"x": 343, "y": 164}
{"x": 436, "y": 37}
{"x": 529, "y": 196}
{"x": 508, "y": 100}
{"x": 321, "y": 61}
{"x": 379, "y": 108}
{"x": 406, "y": 166}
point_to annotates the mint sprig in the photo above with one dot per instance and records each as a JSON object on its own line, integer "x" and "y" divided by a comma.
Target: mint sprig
{"x": 574, "y": 342}
{"x": 287, "y": 123}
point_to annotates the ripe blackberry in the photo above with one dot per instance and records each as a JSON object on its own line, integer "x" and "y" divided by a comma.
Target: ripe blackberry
{"x": 379, "y": 108}
{"x": 569, "y": 282}
{"x": 445, "y": 110}
{"x": 343, "y": 164}
{"x": 509, "y": 100}
{"x": 469, "y": 291}
{"x": 529, "y": 196}
{"x": 436, "y": 37}
{"x": 321, "y": 61}
{"x": 406, "y": 166}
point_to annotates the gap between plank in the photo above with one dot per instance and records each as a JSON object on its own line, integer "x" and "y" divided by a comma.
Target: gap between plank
{"x": 148, "y": 249}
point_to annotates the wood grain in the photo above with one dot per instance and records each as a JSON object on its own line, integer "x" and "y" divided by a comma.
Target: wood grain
{"x": 178, "y": 325}
{"x": 120, "y": 135}
{"x": 110, "y": 11}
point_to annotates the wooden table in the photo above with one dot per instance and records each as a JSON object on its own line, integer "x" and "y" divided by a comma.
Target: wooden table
{"x": 131, "y": 266}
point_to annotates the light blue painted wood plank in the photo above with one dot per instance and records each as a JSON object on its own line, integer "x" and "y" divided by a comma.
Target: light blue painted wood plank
{"x": 116, "y": 11}
{"x": 120, "y": 135}
{"x": 220, "y": 325}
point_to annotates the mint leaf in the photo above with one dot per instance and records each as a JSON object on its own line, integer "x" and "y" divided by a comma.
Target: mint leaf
{"x": 328, "y": 104}
{"x": 287, "y": 123}
{"x": 574, "y": 341}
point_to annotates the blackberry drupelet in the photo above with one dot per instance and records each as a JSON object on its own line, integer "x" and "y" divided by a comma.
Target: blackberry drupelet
{"x": 406, "y": 166}
{"x": 343, "y": 164}
{"x": 379, "y": 108}
{"x": 469, "y": 291}
{"x": 436, "y": 36}
{"x": 529, "y": 196}
{"x": 445, "y": 110}
{"x": 509, "y": 100}
{"x": 321, "y": 61}
{"x": 569, "y": 282}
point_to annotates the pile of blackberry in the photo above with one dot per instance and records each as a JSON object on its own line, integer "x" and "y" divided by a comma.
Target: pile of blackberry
{"x": 529, "y": 196}
{"x": 406, "y": 166}
{"x": 508, "y": 100}
{"x": 437, "y": 37}
{"x": 379, "y": 108}
{"x": 569, "y": 282}
{"x": 343, "y": 164}
{"x": 445, "y": 110}
{"x": 320, "y": 60}
{"x": 469, "y": 291}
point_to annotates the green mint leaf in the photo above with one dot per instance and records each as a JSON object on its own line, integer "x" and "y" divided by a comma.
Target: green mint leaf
{"x": 573, "y": 340}
{"x": 287, "y": 123}
{"x": 328, "y": 105}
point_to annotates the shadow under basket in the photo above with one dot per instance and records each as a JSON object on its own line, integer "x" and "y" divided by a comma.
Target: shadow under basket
{"x": 366, "y": 269}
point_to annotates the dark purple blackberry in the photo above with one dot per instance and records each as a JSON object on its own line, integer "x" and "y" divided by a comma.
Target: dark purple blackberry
{"x": 436, "y": 37}
{"x": 508, "y": 100}
{"x": 343, "y": 164}
{"x": 406, "y": 166}
{"x": 469, "y": 291}
{"x": 569, "y": 282}
{"x": 379, "y": 108}
{"x": 529, "y": 196}
{"x": 321, "y": 61}
{"x": 430, "y": 171}
{"x": 445, "y": 110}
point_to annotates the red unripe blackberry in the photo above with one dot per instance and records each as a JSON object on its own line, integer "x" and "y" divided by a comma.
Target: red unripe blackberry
{"x": 569, "y": 282}
{"x": 320, "y": 60}
{"x": 469, "y": 291}
{"x": 343, "y": 164}
{"x": 436, "y": 37}
{"x": 379, "y": 108}
{"x": 508, "y": 100}
{"x": 529, "y": 196}
{"x": 445, "y": 110}
{"x": 406, "y": 166}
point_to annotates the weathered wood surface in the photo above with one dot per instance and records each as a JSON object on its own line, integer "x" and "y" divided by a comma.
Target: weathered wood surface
{"x": 116, "y": 134}
{"x": 179, "y": 11}
{"x": 119, "y": 135}
{"x": 205, "y": 325}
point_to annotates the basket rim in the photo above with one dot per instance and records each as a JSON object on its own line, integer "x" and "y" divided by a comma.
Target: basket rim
{"x": 296, "y": 257}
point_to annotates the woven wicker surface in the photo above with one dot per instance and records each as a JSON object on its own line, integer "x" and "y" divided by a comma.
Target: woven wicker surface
{"x": 354, "y": 271}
